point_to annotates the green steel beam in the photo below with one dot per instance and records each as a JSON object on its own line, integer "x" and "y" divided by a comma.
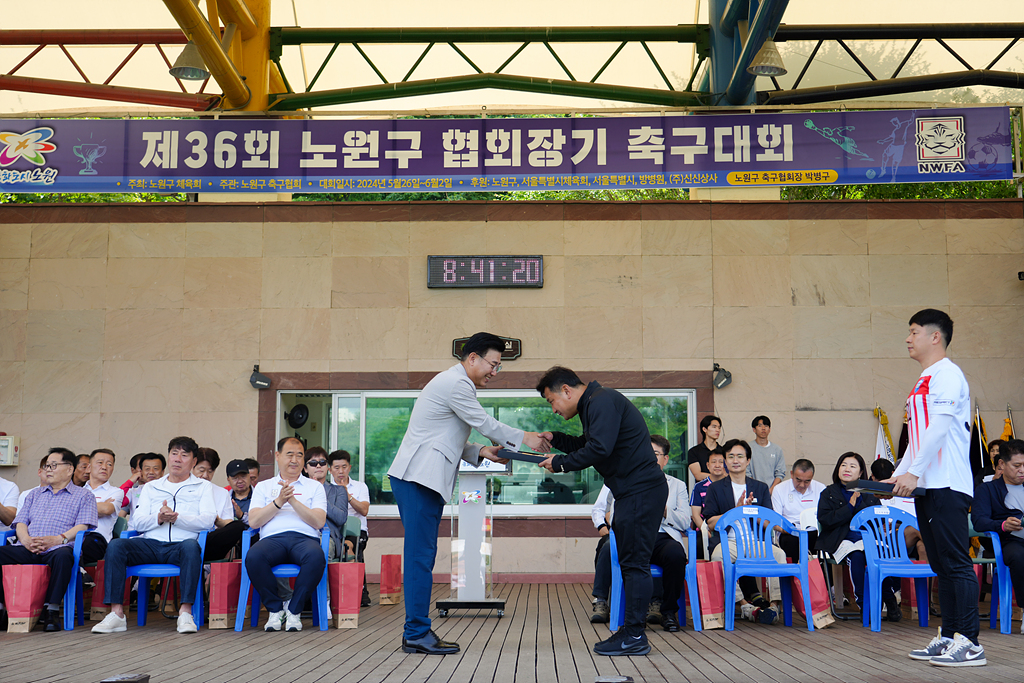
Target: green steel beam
{"x": 297, "y": 35}
{"x": 293, "y": 101}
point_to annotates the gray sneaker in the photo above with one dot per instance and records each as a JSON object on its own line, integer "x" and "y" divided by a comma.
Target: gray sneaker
{"x": 601, "y": 612}
{"x": 961, "y": 653}
{"x": 935, "y": 648}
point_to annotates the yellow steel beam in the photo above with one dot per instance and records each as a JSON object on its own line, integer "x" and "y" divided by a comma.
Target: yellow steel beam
{"x": 255, "y": 53}
{"x": 195, "y": 26}
{"x": 236, "y": 12}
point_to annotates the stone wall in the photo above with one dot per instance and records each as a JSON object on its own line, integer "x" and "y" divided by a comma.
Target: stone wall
{"x": 125, "y": 325}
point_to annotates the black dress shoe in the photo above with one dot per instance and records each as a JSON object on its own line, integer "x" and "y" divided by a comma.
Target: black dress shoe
{"x": 50, "y": 619}
{"x": 429, "y": 644}
{"x": 366, "y": 601}
{"x": 669, "y": 622}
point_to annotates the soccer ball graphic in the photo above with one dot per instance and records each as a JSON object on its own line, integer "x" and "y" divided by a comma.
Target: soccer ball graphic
{"x": 982, "y": 157}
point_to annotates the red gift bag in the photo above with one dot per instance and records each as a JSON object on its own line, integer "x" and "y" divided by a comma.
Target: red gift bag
{"x": 821, "y": 612}
{"x": 711, "y": 592}
{"x": 97, "y": 610}
{"x": 390, "y": 579}
{"x": 25, "y": 591}
{"x": 346, "y": 586}
{"x": 225, "y": 584}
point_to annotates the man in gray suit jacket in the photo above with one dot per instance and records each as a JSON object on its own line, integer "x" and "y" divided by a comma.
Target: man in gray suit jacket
{"x": 424, "y": 470}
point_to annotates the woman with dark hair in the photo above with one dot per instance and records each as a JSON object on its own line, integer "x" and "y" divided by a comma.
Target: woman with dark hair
{"x": 836, "y": 508}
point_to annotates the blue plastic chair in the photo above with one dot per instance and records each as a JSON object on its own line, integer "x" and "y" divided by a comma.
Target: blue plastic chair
{"x": 1002, "y": 589}
{"x": 752, "y": 527}
{"x": 151, "y": 571}
{"x": 4, "y": 535}
{"x": 73, "y": 593}
{"x": 320, "y": 607}
{"x": 617, "y": 601}
{"x": 885, "y": 552}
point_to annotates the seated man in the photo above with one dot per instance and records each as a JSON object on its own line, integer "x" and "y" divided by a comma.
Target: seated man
{"x": 241, "y": 489}
{"x": 8, "y": 503}
{"x": 41, "y": 473}
{"x": 358, "y": 494}
{"x": 724, "y": 495}
{"x": 46, "y": 526}
{"x": 600, "y": 514}
{"x": 254, "y": 471}
{"x": 227, "y": 532}
{"x": 336, "y": 497}
{"x": 151, "y": 468}
{"x": 998, "y": 506}
{"x": 669, "y": 547}
{"x": 81, "y": 473}
{"x": 716, "y": 467}
{"x": 171, "y": 513}
{"x": 790, "y": 498}
{"x": 289, "y": 510}
{"x": 108, "y": 501}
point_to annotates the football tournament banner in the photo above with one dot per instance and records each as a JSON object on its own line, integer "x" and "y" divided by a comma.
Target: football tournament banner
{"x": 501, "y": 154}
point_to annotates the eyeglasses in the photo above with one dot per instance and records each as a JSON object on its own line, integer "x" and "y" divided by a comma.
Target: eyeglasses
{"x": 317, "y": 463}
{"x": 660, "y": 454}
{"x": 495, "y": 365}
{"x": 54, "y": 465}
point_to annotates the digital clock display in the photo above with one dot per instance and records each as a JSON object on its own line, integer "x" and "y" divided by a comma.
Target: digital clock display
{"x": 485, "y": 271}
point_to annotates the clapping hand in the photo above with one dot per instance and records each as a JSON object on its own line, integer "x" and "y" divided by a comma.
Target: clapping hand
{"x": 166, "y": 515}
{"x": 238, "y": 510}
{"x": 286, "y": 493}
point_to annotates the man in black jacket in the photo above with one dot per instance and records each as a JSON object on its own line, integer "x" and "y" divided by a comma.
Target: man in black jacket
{"x": 617, "y": 444}
{"x": 998, "y": 505}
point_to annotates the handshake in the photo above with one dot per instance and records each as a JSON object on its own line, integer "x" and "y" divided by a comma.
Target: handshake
{"x": 540, "y": 442}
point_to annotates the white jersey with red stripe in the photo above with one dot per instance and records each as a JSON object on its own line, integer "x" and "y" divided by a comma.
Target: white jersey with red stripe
{"x": 942, "y": 390}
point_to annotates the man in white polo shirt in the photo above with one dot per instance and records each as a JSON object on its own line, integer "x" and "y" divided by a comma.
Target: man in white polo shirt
{"x": 108, "y": 501}
{"x": 289, "y": 510}
{"x": 790, "y": 498}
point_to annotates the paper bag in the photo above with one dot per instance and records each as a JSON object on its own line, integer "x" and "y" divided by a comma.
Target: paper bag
{"x": 225, "y": 583}
{"x": 25, "y": 592}
{"x": 711, "y": 592}
{"x": 821, "y": 612}
{"x": 390, "y": 579}
{"x": 346, "y": 587}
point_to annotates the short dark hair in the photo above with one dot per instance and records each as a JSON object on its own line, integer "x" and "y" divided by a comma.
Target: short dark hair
{"x": 717, "y": 451}
{"x": 706, "y": 422}
{"x": 103, "y": 450}
{"x": 185, "y": 443}
{"x": 732, "y": 443}
{"x": 557, "y": 376}
{"x": 339, "y": 455}
{"x": 996, "y": 442}
{"x": 1013, "y": 447}
{"x": 848, "y": 454}
{"x": 882, "y": 469}
{"x": 65, "y": 456}
{"x": 482, "y": 342}
{"x": 313, "y": 452}
{"x": 42, "y": 462}
{"x": 134, "y": 462}
{"x": 78, "y": 458}
{"x": 661, "y": 441}
{"x": 209, "y": 456}
{"x": 286, "y": 439}
{"x": 935, "y": 318}
{"x": 253, "y": 463}
{"x": 143, "y": 457}
{"x": 760, "y": 418}
{"x": 804, "y": 465}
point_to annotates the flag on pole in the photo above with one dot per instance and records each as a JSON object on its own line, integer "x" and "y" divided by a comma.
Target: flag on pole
{"x": 904, "y": 438}
{"x": 883, "y": 444}
{"x": 979, "y": 446}
{"x": 1008, "y": 425}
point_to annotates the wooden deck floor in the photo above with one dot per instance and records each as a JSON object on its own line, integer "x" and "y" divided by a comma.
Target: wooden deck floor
{"x": 545, "y": 636}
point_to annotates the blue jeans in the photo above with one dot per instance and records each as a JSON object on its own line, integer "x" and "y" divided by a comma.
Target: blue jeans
{"x": 288, "y": 547}
{"x": 421, "y": 509}
{"x": 128, "y": 552}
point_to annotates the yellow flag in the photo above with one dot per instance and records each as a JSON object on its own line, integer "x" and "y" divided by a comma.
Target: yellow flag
{"x": 1007, "y": 429}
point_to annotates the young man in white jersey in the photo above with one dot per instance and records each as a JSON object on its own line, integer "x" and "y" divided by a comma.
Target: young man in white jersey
{"x": 937, "y": 459}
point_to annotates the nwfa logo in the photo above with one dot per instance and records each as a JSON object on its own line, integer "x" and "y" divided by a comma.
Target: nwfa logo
{"x": 941, "y": 144}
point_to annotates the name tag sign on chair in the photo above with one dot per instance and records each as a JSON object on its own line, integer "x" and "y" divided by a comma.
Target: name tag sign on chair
{"x": 749, "y": 511}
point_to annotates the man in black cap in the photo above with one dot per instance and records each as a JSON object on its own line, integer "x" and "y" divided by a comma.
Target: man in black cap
{"x": 220, "y": 541}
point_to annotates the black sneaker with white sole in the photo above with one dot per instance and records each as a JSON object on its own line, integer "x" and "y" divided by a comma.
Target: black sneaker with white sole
{"x": 961, "y": 653}
{"x": 623, "y": 645}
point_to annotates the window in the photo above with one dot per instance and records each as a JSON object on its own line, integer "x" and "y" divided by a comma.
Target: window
{"x": 371, "y": 424}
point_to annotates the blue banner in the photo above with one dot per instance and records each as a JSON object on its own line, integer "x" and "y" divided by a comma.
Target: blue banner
{"x": 417, "y": 155}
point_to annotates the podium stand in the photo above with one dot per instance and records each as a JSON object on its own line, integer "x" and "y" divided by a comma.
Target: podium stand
{"x": 471, "y": 550}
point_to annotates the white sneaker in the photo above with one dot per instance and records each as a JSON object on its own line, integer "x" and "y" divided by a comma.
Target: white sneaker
{"x": 747, "y": 612}
{"x": 274, "y": 621}
{"x": 111, "y": 624}
{"x": 186, "y": 624}
{"x": 293, "y": 622}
